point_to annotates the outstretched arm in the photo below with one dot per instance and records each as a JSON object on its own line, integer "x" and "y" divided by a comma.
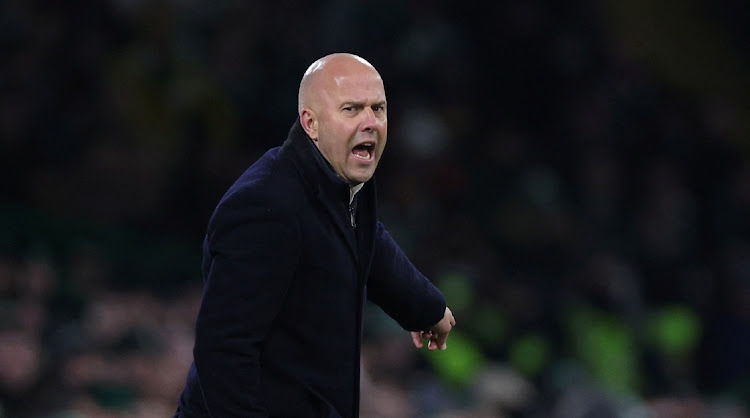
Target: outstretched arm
{"x": 404, "y": 293}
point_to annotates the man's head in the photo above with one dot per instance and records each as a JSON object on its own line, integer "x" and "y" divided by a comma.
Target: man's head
{"x": 342, "y": 107}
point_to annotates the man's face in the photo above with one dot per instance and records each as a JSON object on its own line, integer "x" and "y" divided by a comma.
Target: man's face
{"x": 352, "y": 123}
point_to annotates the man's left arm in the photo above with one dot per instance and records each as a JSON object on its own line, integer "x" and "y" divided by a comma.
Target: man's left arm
{"x": 406, "y": 295}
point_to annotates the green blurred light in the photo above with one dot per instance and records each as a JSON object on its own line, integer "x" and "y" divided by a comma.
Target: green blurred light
{"x": 674, "y": 329}
{"x": 529, "y": 354}
{"x": 460, "y": 363}
{"x": 606, "y": 346}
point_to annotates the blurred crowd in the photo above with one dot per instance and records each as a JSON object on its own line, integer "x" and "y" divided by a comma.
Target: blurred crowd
{"x": 575, "y": 178}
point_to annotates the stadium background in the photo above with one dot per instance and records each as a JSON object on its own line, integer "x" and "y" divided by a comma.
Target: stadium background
{"x": 574, "y": 175}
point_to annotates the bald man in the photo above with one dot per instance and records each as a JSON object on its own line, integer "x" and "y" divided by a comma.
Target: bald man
{"x": 293, "y": 251}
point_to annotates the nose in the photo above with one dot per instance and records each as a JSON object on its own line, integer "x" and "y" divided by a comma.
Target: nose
{"x": 369, "y": 119}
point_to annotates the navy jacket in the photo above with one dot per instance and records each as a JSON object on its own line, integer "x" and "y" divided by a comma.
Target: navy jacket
{"x": 286, "y": 276}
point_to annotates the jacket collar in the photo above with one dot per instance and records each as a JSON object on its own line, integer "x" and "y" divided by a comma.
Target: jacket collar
{"x": 316, "y": 171}
{"x": 332, "y": 193}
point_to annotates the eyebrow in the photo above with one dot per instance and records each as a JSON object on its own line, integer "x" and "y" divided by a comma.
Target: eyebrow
{"x": 362, "y": 103}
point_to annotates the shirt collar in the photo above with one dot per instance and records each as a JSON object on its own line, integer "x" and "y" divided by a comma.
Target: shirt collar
{"x": 353, "y": 191}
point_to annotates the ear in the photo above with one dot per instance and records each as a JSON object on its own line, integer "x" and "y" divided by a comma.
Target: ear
{"x": 309, "y": 122}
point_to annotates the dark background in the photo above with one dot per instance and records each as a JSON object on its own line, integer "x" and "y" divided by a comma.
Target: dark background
{"x": 574, "y": 175}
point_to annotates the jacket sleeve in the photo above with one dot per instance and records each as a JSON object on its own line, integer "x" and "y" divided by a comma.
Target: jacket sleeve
{"x": 396, "y": 285}
{"x": 251, "y": 264}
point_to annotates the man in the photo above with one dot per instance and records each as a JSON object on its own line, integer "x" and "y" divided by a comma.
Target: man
{"x": 292, "y": 251}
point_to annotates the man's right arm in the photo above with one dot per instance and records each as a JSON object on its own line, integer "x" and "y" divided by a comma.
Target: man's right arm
{"x": 253, "y": 259}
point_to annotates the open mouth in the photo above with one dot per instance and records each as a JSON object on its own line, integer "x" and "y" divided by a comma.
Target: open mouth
{"x": 364, "y": 151}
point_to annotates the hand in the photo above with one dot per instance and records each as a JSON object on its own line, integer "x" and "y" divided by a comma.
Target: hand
{"x": 437, "y": 334}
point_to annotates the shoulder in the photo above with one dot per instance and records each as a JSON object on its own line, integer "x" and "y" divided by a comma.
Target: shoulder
{"x": 270, "y": 185}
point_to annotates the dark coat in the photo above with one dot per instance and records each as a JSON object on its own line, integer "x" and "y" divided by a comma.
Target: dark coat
{"x": 286, "y": 276}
